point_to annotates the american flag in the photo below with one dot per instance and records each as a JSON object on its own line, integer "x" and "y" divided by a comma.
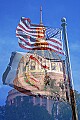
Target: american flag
{"x": 29, "y": 34}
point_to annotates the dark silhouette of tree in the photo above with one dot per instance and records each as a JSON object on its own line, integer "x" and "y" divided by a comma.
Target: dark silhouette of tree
{"x": 61, "y": 111}
{"x": 2, "y": 112}
{"x": 26, "y": 111}
{"x": 77, "y": 97}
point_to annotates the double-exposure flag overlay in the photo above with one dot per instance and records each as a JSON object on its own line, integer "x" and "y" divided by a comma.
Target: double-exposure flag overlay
{"x": 40, "y": 71}
{"x": 38, "y": 37}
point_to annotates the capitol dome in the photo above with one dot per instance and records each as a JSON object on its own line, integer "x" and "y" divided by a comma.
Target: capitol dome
{"x": 41, "y": 72}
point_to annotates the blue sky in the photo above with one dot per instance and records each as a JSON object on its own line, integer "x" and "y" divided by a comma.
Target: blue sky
{"x": 53, "y": 11}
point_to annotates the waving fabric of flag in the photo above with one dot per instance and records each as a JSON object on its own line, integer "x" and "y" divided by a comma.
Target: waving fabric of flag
{"x": 38, "y": 37}
{"x": 35, "y": 75}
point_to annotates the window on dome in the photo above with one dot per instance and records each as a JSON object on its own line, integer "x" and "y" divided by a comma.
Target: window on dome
{"x": 33, "y": 65}
{"x": 53, "y": 66}
{"x": 61, "y": 69}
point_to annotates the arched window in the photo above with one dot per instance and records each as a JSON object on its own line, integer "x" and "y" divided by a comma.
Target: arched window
{"x": 53, "y": 66}
{"x": 33, "y": 65}
{"x": 61, "y": 68}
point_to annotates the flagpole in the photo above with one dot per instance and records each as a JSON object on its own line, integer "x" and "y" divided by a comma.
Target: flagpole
{"x": 68, "y": 70}
{"x": 41, "y": 15}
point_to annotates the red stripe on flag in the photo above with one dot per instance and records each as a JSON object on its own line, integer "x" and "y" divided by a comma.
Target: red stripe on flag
{"x": 55, "y": 41}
